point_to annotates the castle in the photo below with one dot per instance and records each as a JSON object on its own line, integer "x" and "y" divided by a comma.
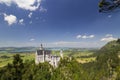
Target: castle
{"x": 43, "y": 55}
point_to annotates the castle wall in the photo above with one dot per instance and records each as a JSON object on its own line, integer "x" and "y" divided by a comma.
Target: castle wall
{"x": 45, "y": 55}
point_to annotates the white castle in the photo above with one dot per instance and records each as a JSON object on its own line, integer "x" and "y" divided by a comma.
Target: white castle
{"x": 43, "y": 55}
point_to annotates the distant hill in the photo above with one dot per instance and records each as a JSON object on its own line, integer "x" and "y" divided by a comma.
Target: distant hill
{"x": 33, "y": 49}
{"x": 109, "y": 52}
{"x": 17, "y": 49}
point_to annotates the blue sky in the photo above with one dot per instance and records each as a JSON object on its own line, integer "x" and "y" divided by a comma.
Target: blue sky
{"x": 56, "y": 23}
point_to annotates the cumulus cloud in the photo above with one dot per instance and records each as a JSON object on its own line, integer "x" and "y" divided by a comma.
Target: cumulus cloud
{"x": 31, "y": 5}
{"x": 21, "y": 21}
{"x": 78, "y": 36}
{"x": 43, "y": 9}
{"x": 32, "y": 39}
{"x": 108, "y": 37}
{"x": 109, "y": 16}
{"x": 10, "y": 19}
{"x": 85, "y": 36}
{"x": 91, "y": 36}
{"x": 30, "y": 15}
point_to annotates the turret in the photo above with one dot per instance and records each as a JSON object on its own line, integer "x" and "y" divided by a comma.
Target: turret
{"x": 61, "y": 53}
{"x": 41, "y": 48}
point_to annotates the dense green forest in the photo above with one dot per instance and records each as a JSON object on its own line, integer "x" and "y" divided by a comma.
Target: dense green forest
{"x": 105, "y": 67}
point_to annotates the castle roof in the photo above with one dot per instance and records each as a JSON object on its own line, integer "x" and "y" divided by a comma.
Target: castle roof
{"x": 46, "y": 52}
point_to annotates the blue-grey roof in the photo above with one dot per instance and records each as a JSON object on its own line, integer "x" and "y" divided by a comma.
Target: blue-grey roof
{"x": 40, "y": 52}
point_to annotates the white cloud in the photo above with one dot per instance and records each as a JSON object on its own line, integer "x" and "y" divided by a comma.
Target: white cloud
{"x": 31, "y": 5}
{"x": 30, "y": 15}
{"x": 109, "y": 16}
{"x": 85, "y": 36}
{"x": 10, "y": 19}
{"x": 78, "y": 36}
{"x": 91, "y": 36}
{"x": 21, "y": 21}
{"x": 108, "y": 37}
{"x": 43, "y": 9}
{"x": 7, "y": 2}
{"x": 32, "y": 39}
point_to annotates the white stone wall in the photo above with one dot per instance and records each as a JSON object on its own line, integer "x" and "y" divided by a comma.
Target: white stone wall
{"x": 53, "y": 60}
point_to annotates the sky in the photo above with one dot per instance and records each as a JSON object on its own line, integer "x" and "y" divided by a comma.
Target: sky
{"x": 56, "y": 23}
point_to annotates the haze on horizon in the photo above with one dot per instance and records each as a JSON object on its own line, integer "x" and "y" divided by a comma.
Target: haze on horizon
{"x": 56, "y": 23}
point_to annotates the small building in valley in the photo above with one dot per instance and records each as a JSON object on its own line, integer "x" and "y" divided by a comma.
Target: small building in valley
{"x": 43, "y": 55}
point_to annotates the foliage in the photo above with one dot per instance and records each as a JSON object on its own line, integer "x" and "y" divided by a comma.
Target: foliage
{"x": 118, "y": 41}
{"x": 108, "y": 5}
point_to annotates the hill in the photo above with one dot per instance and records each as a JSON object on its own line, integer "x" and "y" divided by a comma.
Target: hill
{"x": 111, "y": 45}
{"x": 110, "y": 51}
{"x": 108, "y": 59}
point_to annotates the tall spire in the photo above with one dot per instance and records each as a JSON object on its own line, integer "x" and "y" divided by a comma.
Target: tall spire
{"x": 61, "y": 53}
{"x": 41, "y": 48}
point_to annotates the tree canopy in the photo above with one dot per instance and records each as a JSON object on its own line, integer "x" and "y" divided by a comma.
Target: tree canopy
{"x": 108, "y": 5}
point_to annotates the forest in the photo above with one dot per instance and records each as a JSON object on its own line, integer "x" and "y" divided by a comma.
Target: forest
{"x": 105, "y": 67}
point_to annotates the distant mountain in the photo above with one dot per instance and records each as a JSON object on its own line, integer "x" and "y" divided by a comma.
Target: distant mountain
{"x": 17, "y": 49}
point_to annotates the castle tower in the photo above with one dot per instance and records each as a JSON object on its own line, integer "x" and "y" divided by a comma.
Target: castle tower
{"x": 43, "y": 53}
{"x": 43, "y": 56}
{"x": 61, "y": 53}
{"x": 36, "y": 58}
{"x": 41, "y": 48}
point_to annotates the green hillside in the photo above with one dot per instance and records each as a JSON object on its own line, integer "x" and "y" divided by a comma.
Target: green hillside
{"x": 108, "y": 59}
{"x": 112, "y": 45}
